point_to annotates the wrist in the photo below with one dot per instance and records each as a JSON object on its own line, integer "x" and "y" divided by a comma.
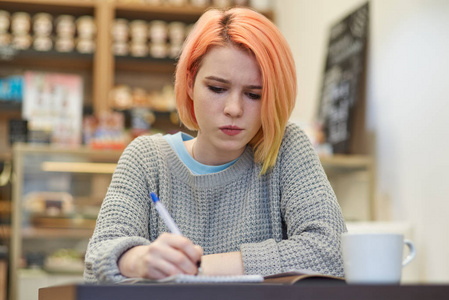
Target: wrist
{"x": 222, "y": 264}
{"x": 126, "y": 262}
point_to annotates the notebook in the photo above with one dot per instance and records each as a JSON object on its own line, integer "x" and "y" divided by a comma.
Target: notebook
{"x": 183, "y": 278}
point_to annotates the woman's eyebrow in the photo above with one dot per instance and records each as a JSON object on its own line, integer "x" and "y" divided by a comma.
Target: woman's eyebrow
{"x": 219, "y": 79}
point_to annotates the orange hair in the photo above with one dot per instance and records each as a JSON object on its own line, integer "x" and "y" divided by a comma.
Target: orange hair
{"x": 249, "y": 30}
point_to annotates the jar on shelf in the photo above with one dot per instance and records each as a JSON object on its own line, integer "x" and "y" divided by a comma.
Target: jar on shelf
{"x": 158, "y": 50}
{"x": 120, "y": 30}
{"x": 158, "y": 31}
{"x": 22, "y": 41}
{"x": 174, "y": 50}
{"x": 65, "y": 30}
{"x": 86, "y": 28}
{"x": 20, "y": 23}
{"x": 138, "y": 31}
{"x": 120, "y": 48}
{"x": 138, "y": 49}
{"x": 42, "y": 24}
{"x": 65, "y": 44}
{"x": 176, "y": 32}
{"x": 65, "y": 25}
{"x": 42, "y": 43}
{"x": 4, "y": 21}
{"x": 85, "y": 45}
{"x": 86, "y": 31}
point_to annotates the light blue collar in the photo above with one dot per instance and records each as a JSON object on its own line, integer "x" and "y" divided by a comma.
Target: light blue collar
{"x": 176, "y": 141}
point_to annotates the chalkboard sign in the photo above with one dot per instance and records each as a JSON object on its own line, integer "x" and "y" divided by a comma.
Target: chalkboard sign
{"x": 343, "y": 77}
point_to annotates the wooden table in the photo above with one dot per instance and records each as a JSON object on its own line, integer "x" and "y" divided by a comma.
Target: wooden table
{"x": 243, "y": 292}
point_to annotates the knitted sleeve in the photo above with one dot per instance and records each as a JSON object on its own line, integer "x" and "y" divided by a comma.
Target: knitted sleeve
{"x": 124, "y": 215}
{"x": 311, "y": 214}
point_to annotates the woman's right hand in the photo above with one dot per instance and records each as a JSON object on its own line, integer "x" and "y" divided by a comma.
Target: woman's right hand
{"x": 168, "y": 255}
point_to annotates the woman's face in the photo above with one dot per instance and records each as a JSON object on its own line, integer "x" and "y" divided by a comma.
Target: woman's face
{"x": 226, "y": 95}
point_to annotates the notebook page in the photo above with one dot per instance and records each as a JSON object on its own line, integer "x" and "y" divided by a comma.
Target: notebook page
{"x": 183, "y": 278}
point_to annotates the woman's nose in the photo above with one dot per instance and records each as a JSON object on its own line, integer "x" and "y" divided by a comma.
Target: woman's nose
{"x": 234, "y": 106}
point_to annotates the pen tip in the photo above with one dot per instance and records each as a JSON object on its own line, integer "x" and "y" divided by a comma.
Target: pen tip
{"x": 154, "y": 197}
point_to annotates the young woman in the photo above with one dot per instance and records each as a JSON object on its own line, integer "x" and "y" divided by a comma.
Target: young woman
{"x": 248, "y": 192}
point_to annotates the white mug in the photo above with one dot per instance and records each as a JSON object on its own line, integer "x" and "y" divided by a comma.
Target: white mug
{"x": 375, "y": 258}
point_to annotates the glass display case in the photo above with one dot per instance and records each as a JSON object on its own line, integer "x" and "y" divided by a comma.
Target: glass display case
{"x": 57, "y": 194}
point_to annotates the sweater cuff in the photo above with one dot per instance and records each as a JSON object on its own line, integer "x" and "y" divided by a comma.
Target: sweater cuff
{"x": 106, "y": 268}
{"x": 261, "y": 258}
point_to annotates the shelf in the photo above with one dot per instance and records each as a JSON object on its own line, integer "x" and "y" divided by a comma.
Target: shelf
{"x": 73, "y": 7}
{"x": 144, "y": 11}
{"x": 145, "y": 64}
{"x": 56, "y": 233}
{"x": 347, "y": 161}
{"x": 10, "y": 112}
{"x": 49, "y": 60}
{"x": 10, "y": 106}
{"x": 49, "y": 149}
{"x": 184, "y": 13}
{"x": 77, "y": 167}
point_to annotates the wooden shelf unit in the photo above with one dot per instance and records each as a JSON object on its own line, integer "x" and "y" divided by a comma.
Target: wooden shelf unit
{"x": 102, "y": 66}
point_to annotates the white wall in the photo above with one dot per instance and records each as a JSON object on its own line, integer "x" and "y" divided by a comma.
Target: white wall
{"x": 408, "y": 106}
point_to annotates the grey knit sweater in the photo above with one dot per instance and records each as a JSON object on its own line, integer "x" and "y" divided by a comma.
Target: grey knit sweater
{"x": 287, "y": 219}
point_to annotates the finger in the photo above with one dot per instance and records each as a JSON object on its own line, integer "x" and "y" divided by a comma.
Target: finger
{"x": 153, "y": 273}
{"x": 180, "y": 260}
{"x": 185, "y": 245}
{"x": 164, "y": 268}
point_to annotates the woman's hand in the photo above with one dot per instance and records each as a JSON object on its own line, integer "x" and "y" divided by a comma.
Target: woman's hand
{"x": 168, "y": 255}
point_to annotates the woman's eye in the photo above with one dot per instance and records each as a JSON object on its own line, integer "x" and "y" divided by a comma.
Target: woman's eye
{"x": 216, "y": 89}
{"x": 254, "y": 96}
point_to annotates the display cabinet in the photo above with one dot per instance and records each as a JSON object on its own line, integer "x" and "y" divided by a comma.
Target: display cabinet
{"x": 57, "y": 194}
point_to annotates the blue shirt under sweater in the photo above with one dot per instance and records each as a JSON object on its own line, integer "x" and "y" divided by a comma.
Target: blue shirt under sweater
{"x": 176, "y": 141}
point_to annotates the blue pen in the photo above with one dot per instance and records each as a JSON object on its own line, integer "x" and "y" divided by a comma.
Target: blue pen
{"x": 168, "y": 220}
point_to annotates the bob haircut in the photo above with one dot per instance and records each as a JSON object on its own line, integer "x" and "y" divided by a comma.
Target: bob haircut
{"x": 251, "y": 31}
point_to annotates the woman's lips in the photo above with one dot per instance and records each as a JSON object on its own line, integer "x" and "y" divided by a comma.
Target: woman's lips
{"x": 231, "y": 130}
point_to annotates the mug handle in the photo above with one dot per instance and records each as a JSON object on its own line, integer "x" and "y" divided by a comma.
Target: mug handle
{"x": 412, "y": 252}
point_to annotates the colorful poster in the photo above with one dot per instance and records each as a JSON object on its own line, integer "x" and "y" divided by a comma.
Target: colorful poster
{"x": 53, "y": 106}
